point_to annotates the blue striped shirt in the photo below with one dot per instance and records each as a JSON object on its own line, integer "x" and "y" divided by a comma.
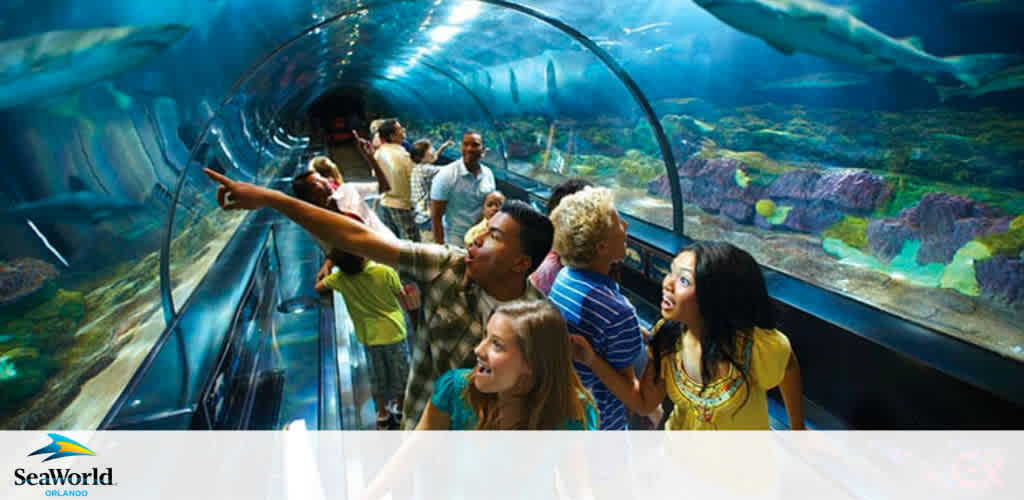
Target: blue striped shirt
{"x": 594, "y": 307}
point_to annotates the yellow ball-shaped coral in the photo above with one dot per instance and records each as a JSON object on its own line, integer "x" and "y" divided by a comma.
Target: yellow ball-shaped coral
{"x": 765, "y": 208}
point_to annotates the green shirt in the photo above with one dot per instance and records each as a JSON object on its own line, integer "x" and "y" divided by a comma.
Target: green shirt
{"x": 372, "y": 303}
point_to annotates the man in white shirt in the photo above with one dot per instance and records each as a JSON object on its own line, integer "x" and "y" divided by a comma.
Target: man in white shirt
{"x": 458, "y": 191}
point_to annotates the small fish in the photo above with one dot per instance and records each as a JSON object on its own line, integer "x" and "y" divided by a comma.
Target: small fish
{"x": 646, "y": 27}
{"x": 952, "y": 137}
{"x": 990, "y": 7}
{"x": 817, "y": 81}
{"x": 680, "y": 100}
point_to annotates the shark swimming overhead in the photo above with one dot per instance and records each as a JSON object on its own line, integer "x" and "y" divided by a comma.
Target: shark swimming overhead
{"x": 57, "y": 62}
{"x": 831, "y": 32}
{"x": 80, "y": 207}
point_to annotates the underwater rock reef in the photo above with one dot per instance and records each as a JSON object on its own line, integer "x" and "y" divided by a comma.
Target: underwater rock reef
{"x": 920, "y": 212}
{"x": 24, "y": 282}
{"x": 48, "y": 352}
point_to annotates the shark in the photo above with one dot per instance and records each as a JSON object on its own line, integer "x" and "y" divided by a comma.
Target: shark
{"x": 1009, "y": 79}
{"x": 834, "y": 33}
{"x": 990, "y": 7}
{"x": 58, "y": 62}
{"x": 817, "y": 81}
{"x": 79, "y": 207}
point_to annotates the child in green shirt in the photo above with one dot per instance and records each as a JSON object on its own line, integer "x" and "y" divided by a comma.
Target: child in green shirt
{"x": 371, "y": 292}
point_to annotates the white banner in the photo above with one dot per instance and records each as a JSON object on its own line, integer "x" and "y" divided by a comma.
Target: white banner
{"x": 304, "y": 465}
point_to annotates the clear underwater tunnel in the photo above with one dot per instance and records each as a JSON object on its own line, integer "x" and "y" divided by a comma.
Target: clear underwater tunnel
{"x": 878, "y": 181}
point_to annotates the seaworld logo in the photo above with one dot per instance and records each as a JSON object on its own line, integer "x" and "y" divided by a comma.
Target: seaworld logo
{"x": 60, "y": 447}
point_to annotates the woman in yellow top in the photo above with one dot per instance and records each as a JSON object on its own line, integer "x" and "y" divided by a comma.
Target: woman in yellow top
{"x": 715, "y": 352}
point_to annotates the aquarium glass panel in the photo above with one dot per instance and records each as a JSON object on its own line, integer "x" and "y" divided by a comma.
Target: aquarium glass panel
{"x": 872, "y": 148}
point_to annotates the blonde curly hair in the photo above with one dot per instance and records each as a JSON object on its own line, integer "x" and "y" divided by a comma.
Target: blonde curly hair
{"x": 582, "y": 221}
{"x": 326, "y": 168}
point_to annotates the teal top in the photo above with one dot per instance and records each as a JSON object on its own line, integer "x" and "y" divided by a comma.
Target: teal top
{"x": 448, "y": 397}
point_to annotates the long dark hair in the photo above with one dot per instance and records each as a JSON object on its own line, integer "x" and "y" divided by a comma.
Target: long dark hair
{"x": 732, "y": 299}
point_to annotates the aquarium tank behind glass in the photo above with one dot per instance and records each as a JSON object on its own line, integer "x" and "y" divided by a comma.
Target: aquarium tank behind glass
{"x": 871, "y": 148}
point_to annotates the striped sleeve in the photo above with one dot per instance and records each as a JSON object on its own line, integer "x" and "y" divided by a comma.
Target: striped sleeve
{"x": 623, "y": 340}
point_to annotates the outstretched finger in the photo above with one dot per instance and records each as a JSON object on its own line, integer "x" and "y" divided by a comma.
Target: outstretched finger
{"x": 223, "y": 180}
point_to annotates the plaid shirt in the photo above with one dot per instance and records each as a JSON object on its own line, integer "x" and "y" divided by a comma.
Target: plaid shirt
{"x": 450, "y": 325}
{"x": 422, "y": 175}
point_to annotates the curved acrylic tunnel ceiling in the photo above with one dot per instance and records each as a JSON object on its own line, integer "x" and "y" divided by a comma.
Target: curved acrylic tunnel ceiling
{"x": 468, "y": 62}
{"x": 235, "y": 86}
{"x": 499, "y": 58}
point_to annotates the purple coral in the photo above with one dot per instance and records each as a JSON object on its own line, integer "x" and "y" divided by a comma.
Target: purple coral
{"x": 23, "y": 277}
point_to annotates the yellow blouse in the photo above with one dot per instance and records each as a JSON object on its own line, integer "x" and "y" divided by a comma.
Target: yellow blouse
{"x": 724, "y": 404}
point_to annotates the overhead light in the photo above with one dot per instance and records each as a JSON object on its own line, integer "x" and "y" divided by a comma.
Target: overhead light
{"x": 442, "y": 34}
{"x": 464, "y": 11}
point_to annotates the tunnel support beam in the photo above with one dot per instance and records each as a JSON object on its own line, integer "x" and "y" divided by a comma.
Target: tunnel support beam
{"x": 486, "y": 110}
{"x": 634, "y": 89}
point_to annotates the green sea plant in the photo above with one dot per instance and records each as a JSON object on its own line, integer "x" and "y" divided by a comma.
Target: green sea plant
{"x": 1008, "y": 244}
{"x": 636, "y": 169}
{"x": 907, "y": 191}
{"x": 850, "y": 230}
{"x": 779, "y": 215}
{"x": 741, "y": 178}
{"x": 959, "y": 274}
{"x": 759, "y": 163}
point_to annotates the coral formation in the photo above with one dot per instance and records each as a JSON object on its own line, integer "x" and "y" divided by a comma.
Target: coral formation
{"x": 765, "y": 207}
{"x": 22, "y": 281}
{"x": 1009, "y": 243}
{"x": 850, "y": 230}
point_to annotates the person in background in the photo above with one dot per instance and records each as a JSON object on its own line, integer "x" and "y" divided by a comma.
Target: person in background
{"x": 545, "y": 275}
{"x": 523, "y": 378}
{"x": 372, "y": 292}
{"x": 492, "y": 203}
{"x": 458, "y": 192}
{"x": 589, "y": 237}
{"x": 375, "y": 139}
{"x": 314, "y": 189}
{"x": 424, "y": 156}
{"x": 328, "y": 170}
{"x": 715, "y": 352}
{"x": 461, "y": 286}
{"x": 396, "y": 205}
